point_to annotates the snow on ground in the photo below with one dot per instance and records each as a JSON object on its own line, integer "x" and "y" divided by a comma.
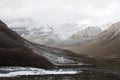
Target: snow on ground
{"x": 20, "y": 71}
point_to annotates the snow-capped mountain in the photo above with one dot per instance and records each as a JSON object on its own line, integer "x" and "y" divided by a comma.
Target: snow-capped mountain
{"x": 21, "y": 23}
{"x": 68, "y": 29}
{"x": 86, "y": 34}
{"x": 105, "y": 26}
{"x": 80, "y": 37}
{"x": 68, "y": 33}
{"x": 44, "y": 35}
{"x": 106, "y": 44}
{"x": 21, "y": 26}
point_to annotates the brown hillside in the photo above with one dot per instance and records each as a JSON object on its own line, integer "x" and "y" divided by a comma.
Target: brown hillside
{"x": 107, "y": 44}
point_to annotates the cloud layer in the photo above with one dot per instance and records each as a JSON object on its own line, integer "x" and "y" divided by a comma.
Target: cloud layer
{"x": 62, "y": 11}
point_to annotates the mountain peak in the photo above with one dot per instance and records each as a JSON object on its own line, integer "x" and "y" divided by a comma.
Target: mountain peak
{"x": 106, "y": 44}
{"x": 22, "y": 22}
{"x": 115, "y": 26}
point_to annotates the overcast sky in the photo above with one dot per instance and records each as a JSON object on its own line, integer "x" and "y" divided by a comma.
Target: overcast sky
{"x": 62, "y": 11}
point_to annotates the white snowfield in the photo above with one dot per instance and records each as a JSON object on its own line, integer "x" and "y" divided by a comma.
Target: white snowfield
{"x": 21, "y": 71}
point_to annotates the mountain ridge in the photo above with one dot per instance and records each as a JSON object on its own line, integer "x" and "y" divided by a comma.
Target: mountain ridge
{"x": 13, "y": 51}
{"x": 106, "y": 44}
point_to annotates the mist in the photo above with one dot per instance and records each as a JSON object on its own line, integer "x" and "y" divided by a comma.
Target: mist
{"x": 54, "y": 12}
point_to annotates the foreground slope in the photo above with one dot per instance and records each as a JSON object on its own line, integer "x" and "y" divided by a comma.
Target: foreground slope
{"x": 13, "y": 51}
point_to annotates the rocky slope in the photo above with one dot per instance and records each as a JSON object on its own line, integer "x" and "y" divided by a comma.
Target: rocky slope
{"x": 80, "y": 37}
{"x": 106, "y": 44}
{"x": 86, "y": 34}
{"x": 13, "y": 51}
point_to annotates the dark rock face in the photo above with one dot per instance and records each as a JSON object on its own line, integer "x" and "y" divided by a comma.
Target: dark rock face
{"x": 15, "y": 57}
{"x": 13, "y": 51}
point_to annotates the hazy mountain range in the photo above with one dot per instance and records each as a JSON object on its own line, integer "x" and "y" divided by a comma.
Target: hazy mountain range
{"x": 78, "y": 40}
{"x": 79, "y": 37}
{"x": 72, "y": 36}
{"x": 65, "y": 35}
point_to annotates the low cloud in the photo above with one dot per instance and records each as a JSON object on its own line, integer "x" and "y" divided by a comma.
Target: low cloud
{"x": 61, "y": 11}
